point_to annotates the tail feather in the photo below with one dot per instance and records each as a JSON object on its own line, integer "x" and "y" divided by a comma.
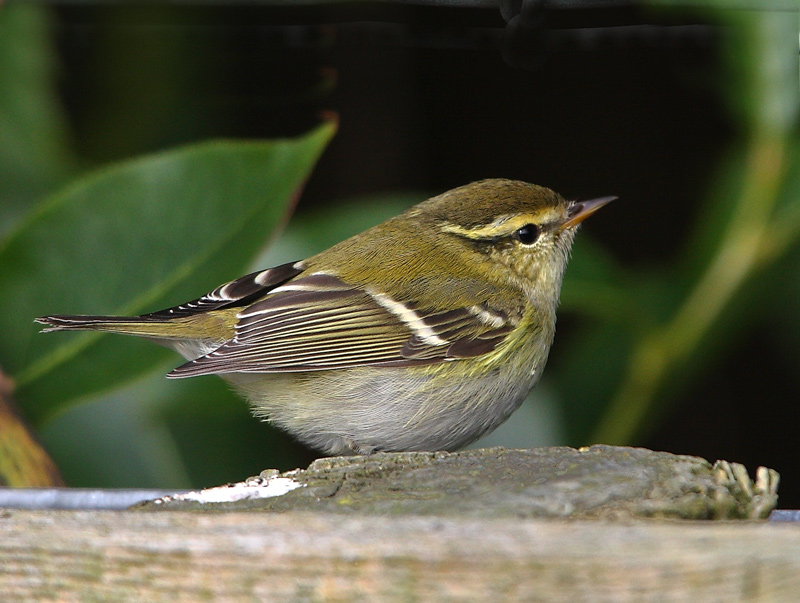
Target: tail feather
{"x": 191, "y": 337}
{"x": 130, "y": 325}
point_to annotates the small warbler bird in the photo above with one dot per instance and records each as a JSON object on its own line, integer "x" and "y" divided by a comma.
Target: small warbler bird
{"x": 422, "y": 333}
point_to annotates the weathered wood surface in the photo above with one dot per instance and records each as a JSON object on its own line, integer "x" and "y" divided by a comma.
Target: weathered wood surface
{"x": 598, "y": 481}
{"x": 487, "y": 525}
{"x": 304, "y": 556}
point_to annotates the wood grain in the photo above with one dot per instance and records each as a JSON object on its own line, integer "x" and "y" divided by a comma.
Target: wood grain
{"x": 304, "y": 556}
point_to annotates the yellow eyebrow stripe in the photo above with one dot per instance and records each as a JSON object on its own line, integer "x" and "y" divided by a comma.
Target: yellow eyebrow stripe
{"x": 502, "y": 226}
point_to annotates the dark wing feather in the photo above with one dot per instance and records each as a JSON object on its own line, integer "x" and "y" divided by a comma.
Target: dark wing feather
{"x": 239, "y": 292}
{"x": 319, "y": 322}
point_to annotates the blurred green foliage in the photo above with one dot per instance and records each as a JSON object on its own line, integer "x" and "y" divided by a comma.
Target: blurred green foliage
{"x": 139, "y": 234}
{"x": 34, "y": 139}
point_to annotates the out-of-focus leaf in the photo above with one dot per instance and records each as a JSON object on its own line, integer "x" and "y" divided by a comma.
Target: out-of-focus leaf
{"x": 132, "y": 238}
{"x": 23, "y": 462}
{"x": 34, "y": 156}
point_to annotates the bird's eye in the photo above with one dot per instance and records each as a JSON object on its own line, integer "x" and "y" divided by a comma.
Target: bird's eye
{"x": 528, "y": 234}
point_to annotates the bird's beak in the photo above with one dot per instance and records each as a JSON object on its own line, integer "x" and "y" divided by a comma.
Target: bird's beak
{"x": 581, "y": 210}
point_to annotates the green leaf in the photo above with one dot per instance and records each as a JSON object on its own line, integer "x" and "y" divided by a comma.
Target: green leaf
{"x": 132, "y": 238}
{"x": 34, "y": 154}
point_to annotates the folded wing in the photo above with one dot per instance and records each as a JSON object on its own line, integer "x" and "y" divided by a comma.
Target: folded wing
{"x": 319, "y": 322}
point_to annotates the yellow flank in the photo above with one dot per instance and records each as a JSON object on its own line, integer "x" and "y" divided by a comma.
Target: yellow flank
{"x": 528, "y": 341}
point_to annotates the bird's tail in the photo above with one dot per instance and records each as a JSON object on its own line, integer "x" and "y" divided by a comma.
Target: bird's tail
{"x": 143, "y": 326}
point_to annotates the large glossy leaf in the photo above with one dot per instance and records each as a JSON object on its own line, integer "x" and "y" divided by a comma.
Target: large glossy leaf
{"x": 133, "y": 238}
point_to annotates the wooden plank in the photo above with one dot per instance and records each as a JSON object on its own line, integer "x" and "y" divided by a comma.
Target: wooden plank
{"x": 304, "y": 556}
